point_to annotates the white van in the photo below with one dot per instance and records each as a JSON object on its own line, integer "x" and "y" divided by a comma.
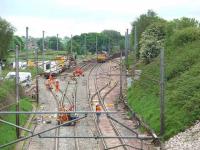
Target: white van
{"x": 24, "y": 77}
{"x": 52, "y": 68}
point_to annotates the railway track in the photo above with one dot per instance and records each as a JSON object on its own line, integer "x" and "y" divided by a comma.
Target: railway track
{"x": 65, "y": 99}
{"x": 86, "y": 126}
{"x": 70, "y": 98}
{"x": 118, "y": 143}
{"x": 95, "y": 85}
{"x": 125, "y": 143}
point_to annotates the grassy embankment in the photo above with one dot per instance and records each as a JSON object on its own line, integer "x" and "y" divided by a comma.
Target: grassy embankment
{"x": 7, "y": 132}
{"x": 182, "y": 99}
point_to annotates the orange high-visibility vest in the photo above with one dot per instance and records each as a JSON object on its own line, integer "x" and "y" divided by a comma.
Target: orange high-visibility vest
{"x": 49, "y": 83}
{"x": 57, "y": 86}
{"x": 51, "y": 79}
{"x": 98, "y": 108}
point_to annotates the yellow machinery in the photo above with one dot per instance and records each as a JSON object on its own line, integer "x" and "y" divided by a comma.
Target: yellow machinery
{"x": 60, "y": 60}
{"x": 31, "y": 63}
{"x": 101, "y": 57}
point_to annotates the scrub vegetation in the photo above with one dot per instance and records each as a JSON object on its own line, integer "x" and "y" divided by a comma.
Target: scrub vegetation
{"x": 181, "y": 40}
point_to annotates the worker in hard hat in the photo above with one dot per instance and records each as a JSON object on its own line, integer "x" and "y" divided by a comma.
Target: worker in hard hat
{"x": 48, "y": 84}
{"x": 98, "y": 110}
{"x": 51, "y": 79}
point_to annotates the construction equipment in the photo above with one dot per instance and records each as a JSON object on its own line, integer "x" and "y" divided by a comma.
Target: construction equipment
{"x": 51, "y": 67}
{"x": 78, "y": 72}
{"x": 102, "y": 57}
{"x": 60, "y": 60}
{"x": 31, "y": 63}
{"x": 63, "y": 118}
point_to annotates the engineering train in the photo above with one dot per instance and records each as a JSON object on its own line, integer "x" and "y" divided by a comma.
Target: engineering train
{"x": 102, "y": 57}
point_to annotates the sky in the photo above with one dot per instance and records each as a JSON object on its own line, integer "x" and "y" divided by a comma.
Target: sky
{"x": 73, "y": 17}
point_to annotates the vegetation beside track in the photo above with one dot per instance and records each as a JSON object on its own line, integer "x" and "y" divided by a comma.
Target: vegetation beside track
{"x": 6, "y": 88}
{"x": 8, "y": 132}
{"x": 182, "y": 75}
{"x": 7, "y": 97}
{"x": 182, "y": 90}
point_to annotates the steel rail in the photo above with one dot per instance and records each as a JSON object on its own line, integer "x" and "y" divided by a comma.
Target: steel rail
{"x": 57, "y": 130}
{"x": 105, "y": 109}
{"x": 94, "y": 115}
{"x": 74, "y": 103}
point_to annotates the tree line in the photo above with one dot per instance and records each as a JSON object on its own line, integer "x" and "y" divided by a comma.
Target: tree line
{"x": 154, "y": 32}
{"x": 107, "y": 40}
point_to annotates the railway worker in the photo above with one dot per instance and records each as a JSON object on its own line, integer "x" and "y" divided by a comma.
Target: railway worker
{"x": 51, "y": 78}
{"x": 57, "y": 85}
{"x": 48, "y": 84}
{"x": 98, "y": 109}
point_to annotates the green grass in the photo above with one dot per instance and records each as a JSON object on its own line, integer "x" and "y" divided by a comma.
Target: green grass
{"x": 131, "y": 59}
{"x": 49, "y": 54}
{"x": 6, "y": 88}
{"x": 7, "y": 132}
{"x": 182, "y": 97}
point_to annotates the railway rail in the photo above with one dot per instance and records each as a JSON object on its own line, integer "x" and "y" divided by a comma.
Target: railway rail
{"x": 71, "y": 100}
{"x": 103, "y": 84}
{"x": 114, "y": 128}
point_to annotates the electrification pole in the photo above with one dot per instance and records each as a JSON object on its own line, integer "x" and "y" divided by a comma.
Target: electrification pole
{"x": 17, "y": 89}
{"x": 43, "y": 49}
{"x": 85, "y": 45}
{"x": 71, "y": 45}
{"x": 120, "y": 87}
{"x": 126, "y": 48}
{"x": 121, "y": 74}
{"x": 37, "y": 85}
{"x": 162, "y": 86}
{"x": 109, "y": 46}
{"x": 57, "y": 43}
{"x": 135, "y": 42}
{"x": 96, "y": 45}
{"x": 26, "y": 46}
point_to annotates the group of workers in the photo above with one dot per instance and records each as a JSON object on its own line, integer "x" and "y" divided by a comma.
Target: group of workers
{"x": 51, "y": 81}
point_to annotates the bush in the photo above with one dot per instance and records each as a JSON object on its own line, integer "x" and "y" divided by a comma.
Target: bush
{"x": 151, "y": 41}
{"x": 184, "y": 36}
{"x": 182, "y": 98}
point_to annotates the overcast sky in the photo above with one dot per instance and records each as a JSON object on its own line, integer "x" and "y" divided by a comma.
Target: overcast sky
{"x": 67, "y": 17}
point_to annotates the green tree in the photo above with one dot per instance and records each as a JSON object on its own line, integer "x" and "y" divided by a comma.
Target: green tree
{"x": 86, "y": 42}
{"x": 185, "y": 22}
{"x": 185, "y": 36}
{"x": 16, "y": 40}
{"x": 39, "y": 43}
{"x": 174, "y": 26}
{"x": 65, "y": 41}
{"x": 52, "y": 43}
{"x": 142, "y": 23}
{"x": 152, "y": 40}
{"x": 6, "y": 33}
